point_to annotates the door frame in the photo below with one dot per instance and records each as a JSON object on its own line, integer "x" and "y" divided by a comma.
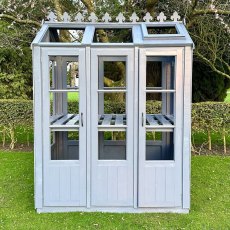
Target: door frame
{"x": 112, "y": 54}
{"x": 177, "y": 52}
{"x": 47, "y": 162}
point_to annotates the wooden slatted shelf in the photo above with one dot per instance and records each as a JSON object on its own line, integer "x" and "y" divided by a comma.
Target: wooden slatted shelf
{"x": 64, "y": 122}
{"x": 106, "y": 122}
{"x": 159, "y": 122}
{"x": 112, "y": 122}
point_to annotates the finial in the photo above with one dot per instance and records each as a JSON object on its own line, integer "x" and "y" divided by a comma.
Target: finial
{"x": 79, "y": 17}
{"x": 147, "y": 17}
{"x": 134, "y": 18}
{"x": 161, "y": 17}
{"x": 93, "y": 18}
{"x": 106, "y": 18}
{"x": 66, "y": 17}
{"x": 120, "y": 18}
{"x": 52, "y": 17}
{"x": 175, "y": 17}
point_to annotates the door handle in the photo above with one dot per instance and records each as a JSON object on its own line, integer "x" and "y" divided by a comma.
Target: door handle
{"x": 82, "y": 119}
{"x": 142, "y": 119}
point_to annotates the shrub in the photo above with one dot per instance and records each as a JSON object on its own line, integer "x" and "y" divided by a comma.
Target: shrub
{"x": 211, "y": 116}
{"x": 12, "y": 114}
{"x": 207, "y": 117}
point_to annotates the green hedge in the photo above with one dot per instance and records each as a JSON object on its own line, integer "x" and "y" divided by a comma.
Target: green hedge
{"x": 206, "y": 116}
{"x": 16, "y": 112}
{"x": 211, "y": 116}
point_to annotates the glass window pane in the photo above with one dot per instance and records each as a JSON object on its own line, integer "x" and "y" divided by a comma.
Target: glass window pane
{"x": 64, "y": 72}
{"x": 161, "y": 30}
{"x": 112, "y": 145}
{"x": 159, "y": 146}
{"x": 154, "y": 74}
{"x": 113, "y": 35}
{"x": 162, "y": 103}
{"x": 160, "y": 72}
{"x": 112, "y": 75}
{"x": 64, "y": 103}
{"x": 65, "y": 145}
{"x": 74, "y": 35}
{"x": 111, "y": 103}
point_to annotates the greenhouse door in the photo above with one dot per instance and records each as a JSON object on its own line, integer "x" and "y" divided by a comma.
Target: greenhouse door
{"x": 160, "y": 127}
{"x": 112, "y": 127}
{"x": 64, "y": 127}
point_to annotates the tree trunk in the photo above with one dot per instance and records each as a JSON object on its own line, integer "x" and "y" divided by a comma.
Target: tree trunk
{"x": 3, "y": 137}
{"x": 224, "y": 141}
{"x": 151, "y": 6}
{"x": 209, "y": 141}
{"x": 64, "y": 35}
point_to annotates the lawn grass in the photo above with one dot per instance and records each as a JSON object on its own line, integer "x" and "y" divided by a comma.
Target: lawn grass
{"x": 210, "y": 201}
{"x": 227, "y": 99}
{"x": 72, "y": 96}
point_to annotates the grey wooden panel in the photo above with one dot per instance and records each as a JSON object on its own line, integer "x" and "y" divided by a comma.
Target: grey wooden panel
{"x": 88, "y": 34}
{"x": 160, "y": 185}
{"x": 88, "y": 127}
{"x": 38, "y": 141}
{"x": 65, "y": 184}
{"x": 122, "y": 185}
{"x": 62, "y": 186}
{"x": 112, "y": 187}
{"x": 187, "y": 127}
{"x": 178, "y": 133}
{"x": 99, "y": 193}
{"x": 112, "y": 184}
{"x": 51, "y": 186}
{"x": 135, "y": 128}
{"x": 75, "y": 181}
{"x": 147, "y": 195}
{"x": 170, "y": 185}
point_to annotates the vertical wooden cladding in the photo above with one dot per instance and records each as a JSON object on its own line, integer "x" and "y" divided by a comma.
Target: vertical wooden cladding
{"x": 112, "y": 186}
{"x": 63, "y": 186}
{"x": 158, "y": 186}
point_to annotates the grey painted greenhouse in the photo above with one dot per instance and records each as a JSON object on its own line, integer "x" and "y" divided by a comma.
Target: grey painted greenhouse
{"x": 112, "y": 114}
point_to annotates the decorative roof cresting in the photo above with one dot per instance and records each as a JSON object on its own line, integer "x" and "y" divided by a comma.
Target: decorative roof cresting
{"x": 79, "y": 18}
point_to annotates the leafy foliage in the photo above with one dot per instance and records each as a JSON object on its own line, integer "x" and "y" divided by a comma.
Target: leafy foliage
{"x": 15, "y": 73}
{"x": 206, "y": 85}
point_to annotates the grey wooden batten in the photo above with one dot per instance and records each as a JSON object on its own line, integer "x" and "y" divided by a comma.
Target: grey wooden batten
{"x": 132, "y": 159}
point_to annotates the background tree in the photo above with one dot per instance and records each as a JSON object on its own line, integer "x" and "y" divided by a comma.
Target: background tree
{"x": 208, "y": 23}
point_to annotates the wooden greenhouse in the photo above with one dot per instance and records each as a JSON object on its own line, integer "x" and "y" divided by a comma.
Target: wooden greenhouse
{"x": 112, "y": 114}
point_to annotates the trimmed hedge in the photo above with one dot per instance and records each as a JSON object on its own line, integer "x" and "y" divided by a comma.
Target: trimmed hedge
{"x": 206, "y": 116}
{"x": 15, "y": 112}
